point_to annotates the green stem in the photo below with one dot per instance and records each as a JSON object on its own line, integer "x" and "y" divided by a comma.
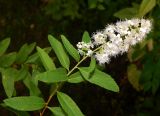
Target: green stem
{"x": 61, "y": 84}
{"x": 85, "y": 57}
{"x": 76, "y": 66}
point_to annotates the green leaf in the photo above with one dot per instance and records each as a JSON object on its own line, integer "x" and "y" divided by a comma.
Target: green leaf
{"x": 92, "y": 4}
{"x": 100, "y": 7}
{"x": 34, "y": 58}
{"x": 33, "y": 89}
{"x": 8, "y": 79}
{"x": 133, "y": 75}
{"x": 86, "y": 38}
{"x": 59, "y": 51}
{"x": 53, "y": 87}
{"x": 46, "y": 60}
{"x": 24, "y": 52}
{"x": 103, "y": 80}
{"x": 35, "y": 75}
{"x": 54, "y": 76}
{"x": 17, "y": 113}
{"x": 70, "y": 49}
{"x": 75, "y": 78}
{"x": 147, "y": 86}
{"x": 146, "y": 6}
{"x": 7, "y": 60}
{"x": 57, "y": 111}
{"x": 85, "y": 71}
{"x": 68, "y": 105}
{"x": 127, "y": 13}
{"x": 25, "y": 103}
{"x": 92, "y": 65}
{"x": 22, "y": 73}
{"x": 148, "y": 70}
{"x": 4, "y": 45}
{"x": 155, "y": 85}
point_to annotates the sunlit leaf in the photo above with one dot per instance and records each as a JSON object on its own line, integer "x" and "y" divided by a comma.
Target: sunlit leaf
{"x": 86, "y": 38}
{"x": 46, "y": 60}
{"x": 70, "y": 49}
{"x": 25, "y": 103}
{"x": 8, "y": 79}
{"x": 146, "y": 6}
{"x": 33, "y": 89}
{"x": 87, "y": 71}
{"x": 22, "y": 73}
{"x": 17, "y": 113}
{"x": 68, "y": 105}
{"x": 24, "y": 52}
{"x": 34, "y": 58}
{"x": 54, "y": 76}
{"x": 4, "y": 45}
{"x": 104, "y": 80}
{"x": 57, "y": 111}
{"x": 59, "y": 51}
{"x": 7, "y": 60}
{"x": 75, "y": 78}
{"x": 92, "y": 65}
{"x": 127, "y": 13}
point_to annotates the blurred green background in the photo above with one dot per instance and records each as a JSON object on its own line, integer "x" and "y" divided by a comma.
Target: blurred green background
{"x": 136, "y": 72}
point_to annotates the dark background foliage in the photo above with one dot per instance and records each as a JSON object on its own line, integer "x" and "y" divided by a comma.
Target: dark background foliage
{"x": 27, "y": 21}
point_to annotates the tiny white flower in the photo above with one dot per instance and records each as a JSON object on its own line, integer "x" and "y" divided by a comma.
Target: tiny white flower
{"x": 85, "y": 48}
{"x": 102, "y": 58}
{"x": 89, "y": 53}
{"x": 99, "y": 38}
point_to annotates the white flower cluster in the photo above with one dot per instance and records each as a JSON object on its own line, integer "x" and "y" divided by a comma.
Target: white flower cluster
{"x": 116, "y": 39}
{"x": 85, "y": 48}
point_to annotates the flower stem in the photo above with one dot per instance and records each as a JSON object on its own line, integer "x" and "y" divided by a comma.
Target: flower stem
{"x": 76, "y": 65}
{"x": 60, "y": 85}
{"x": 49, "y": 99}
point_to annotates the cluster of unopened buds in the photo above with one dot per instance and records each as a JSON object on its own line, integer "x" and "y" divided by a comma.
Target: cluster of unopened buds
{"x": 115, "y": 39}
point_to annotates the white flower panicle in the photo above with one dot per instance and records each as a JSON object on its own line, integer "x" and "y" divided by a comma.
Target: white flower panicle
{"x": 116, "y": 39}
